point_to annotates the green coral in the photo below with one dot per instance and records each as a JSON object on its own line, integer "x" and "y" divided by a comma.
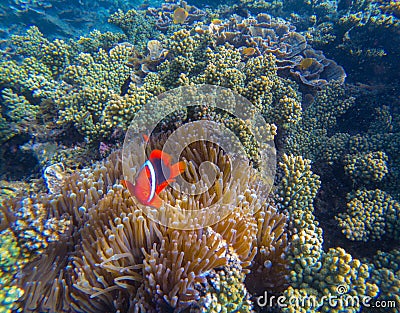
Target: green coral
{"x": 338, "y": 276}
{"x": 297, "y": 191}
{"x": 314, "y": 137}
{"x": 89, "y": 94}
{"x": 96, "y": 40}
{"x": 386, "y": 274}
{"x": 17, "y": 114}
{"x": 97, "y": 80}
{"x": 370, "y": 215}
{"x": 32, "y": 43}
{"x": 366, "y": 167}
{"x": 315, "y": 274}
{"x": 226, "y": 291}
{"x": 30, "y": 77}
{"x": 18, "y": 107}
{"x": 136, "y": 25}
{"x": 197, "y": 59}
{"x": 11, "y": 260}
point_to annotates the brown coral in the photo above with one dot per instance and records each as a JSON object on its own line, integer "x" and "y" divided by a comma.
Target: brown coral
{"x": 165, "y": 15}
{"x": 268, "y": 35}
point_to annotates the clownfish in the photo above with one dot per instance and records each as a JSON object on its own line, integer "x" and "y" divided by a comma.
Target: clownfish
{"x": 151, "y": 179}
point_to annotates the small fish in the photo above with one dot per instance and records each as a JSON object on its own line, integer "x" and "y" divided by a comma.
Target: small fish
{"x": 180, "y": 15}
{"x": 306, "y": 63}
{"x": 151, "y": 180}
{"x": 249, "y": 51}
{"x": 216, "y": 21}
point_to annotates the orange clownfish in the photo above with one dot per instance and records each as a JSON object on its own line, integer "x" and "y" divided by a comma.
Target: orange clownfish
{"x": 151, "y": 179}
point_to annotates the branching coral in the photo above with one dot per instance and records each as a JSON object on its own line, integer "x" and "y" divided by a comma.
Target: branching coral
{"x": 138, "y": 26}
{"x": 385, "y": 273}
{"x": 90, "y": 93}
{"x": 197, "y": 58}
{"x": 314, "y": 137}
{"x": 338, "y": 276}
{"x": 370, "y": 214}
{"x": 92, "y": 105}
{"x": 314, "y": 273}
{"x": 297, "y": 191}
{"x": 366, "y": 168}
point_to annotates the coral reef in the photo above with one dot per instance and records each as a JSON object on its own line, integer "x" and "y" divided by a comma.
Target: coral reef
{"x": 353, "y": 33}
{"x": 316, "y": 274}
{"x": 339, "y": 276}
{"x": 356, "y": 33}
{"x": 315, "y": 136}
{"x": 89, "y": 94}
{"x": 197, "y": 58}
{"x": 385, "y": 274}
{"x": 164, "y": 16}
{"x": 366, "y": 167}
{"x": 294, "y": 56}
{"x": 100, "y": 253}
{"x": 138, "y": 26}
{"x": 370, "y": 214}
{"x": 297, "y": 191}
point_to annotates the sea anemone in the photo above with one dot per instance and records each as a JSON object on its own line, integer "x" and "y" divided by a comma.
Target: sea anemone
{"x": 113, "y": 257}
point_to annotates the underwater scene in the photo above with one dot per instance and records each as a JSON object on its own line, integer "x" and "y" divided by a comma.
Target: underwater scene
{"x": 199, "y": 156}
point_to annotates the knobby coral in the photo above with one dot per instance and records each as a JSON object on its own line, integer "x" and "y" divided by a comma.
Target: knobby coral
{"x": 370, "y": 214}
{"x": 316, "y": 274}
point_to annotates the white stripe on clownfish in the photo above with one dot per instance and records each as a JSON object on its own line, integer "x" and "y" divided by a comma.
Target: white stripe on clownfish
{"x": 152, "y": 179}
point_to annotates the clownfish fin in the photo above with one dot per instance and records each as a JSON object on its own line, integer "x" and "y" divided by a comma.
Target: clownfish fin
{"x": 158, "y": 154}
{"x": 156, "y": 202}
{"x": 177, "y": 169}
{"x": 128, "y": 185}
